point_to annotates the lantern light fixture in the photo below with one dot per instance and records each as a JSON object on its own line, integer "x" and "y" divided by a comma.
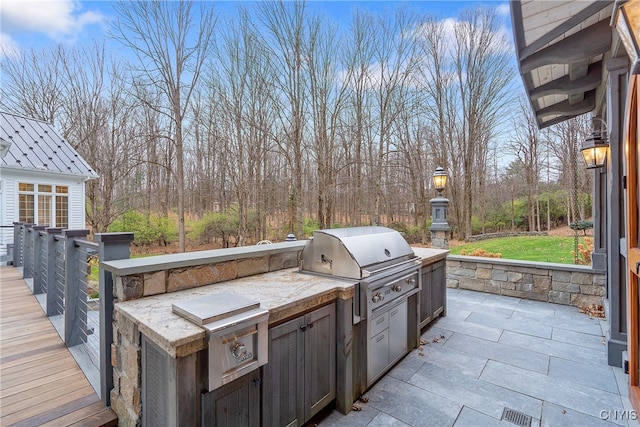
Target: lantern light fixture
{"x": 594, "y": 150}
{"x": 439, "y": 179}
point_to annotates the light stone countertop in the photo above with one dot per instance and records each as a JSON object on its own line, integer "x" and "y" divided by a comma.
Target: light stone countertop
{"x": 430, "y": 255}
{"x": 285, "y": 293}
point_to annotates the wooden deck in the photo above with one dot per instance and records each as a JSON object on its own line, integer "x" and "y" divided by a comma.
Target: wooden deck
{"x": 40, "y": 382}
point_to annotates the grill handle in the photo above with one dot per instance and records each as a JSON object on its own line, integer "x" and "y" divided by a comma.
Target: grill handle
{"x": 412, "y": 261}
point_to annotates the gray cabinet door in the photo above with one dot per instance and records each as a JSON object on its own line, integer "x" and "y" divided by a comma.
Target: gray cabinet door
{"x": 300, "y": 377}
{"x": 433, "y": 293}
{"x": 439, "y": 289}
{"x": 319, "y": 361}
{"x": 233, "y": 404}
{"x": 283, "y": 377}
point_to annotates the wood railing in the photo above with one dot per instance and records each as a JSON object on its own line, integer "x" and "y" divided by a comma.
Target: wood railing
{"x": 63, "y": 266}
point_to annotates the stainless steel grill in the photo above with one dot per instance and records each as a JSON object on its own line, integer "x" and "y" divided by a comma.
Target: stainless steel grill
{"x": 388, "y": 274}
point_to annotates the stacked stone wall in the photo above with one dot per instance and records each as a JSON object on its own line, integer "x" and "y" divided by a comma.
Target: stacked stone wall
{"x": 565, "y": 284}
{"x": 172, "y": 280}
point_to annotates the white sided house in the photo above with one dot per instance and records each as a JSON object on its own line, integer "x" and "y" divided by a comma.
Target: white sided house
{"x": 42, "y": 177}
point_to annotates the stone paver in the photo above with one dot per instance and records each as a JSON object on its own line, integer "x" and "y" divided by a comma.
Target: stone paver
{"x": 545, "y": 360}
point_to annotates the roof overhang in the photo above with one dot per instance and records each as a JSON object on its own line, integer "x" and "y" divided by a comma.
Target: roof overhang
{"x": 45, "y": 172}
{"x": 561, "y": 47}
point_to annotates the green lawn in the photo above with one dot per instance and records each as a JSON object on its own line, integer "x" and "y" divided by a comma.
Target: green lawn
{"x": 528, "y": 248}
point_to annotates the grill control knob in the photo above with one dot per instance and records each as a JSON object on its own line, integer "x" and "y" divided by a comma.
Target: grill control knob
{"x": 396, "y": 288}
{"x": 411, "y": 280}
{"x": 377, "y": 297}
{"x": 239, "y": 351}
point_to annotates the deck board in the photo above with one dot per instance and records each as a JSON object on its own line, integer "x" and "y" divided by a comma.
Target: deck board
{"x": 40, "y": 382}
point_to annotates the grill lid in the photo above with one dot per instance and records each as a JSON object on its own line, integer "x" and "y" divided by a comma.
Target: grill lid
{"x": 349, "y": 252}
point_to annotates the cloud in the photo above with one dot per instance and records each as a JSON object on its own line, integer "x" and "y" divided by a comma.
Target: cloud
{"x": 8, "y": 46}
{"x": 503, "y": 10}
{"x": 57, "y": 19}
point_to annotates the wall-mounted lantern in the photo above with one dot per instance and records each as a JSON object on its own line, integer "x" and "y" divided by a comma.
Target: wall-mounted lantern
{"x": 627, "y": 22}
{"x": 594, "y": 151}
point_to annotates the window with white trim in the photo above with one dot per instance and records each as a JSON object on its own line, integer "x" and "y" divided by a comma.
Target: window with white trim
{"x": 43, "y": 204}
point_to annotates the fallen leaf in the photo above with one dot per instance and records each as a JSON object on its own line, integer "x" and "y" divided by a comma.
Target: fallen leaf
{"x": 422, "y": 342}
{"x": 442, "y": 336}
{"x": 421, "y": 354}
{"x": 364, "y": 399}
{"x": 356, "y": 407}
{"x": 564, "y": 412}
{"x": 593, "y": 311}
{"x": 436, "y": 340}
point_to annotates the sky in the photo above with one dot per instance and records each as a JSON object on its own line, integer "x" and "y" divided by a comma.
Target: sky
{"x": 26, "y": 24}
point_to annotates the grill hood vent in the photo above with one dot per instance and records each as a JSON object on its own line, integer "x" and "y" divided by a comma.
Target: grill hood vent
{"x": 354, "y": 252}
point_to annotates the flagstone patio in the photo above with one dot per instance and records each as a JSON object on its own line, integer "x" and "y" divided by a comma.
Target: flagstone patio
{"x": 542, "y": 360}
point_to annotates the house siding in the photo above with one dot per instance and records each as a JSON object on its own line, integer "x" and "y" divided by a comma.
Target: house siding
{"x": 76, "y": 206}
{"x": 9, "y": 197}
{"x": 8, "y": 211}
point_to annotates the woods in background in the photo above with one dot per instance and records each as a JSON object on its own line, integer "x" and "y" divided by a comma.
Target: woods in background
{"x": 279, "y": 120}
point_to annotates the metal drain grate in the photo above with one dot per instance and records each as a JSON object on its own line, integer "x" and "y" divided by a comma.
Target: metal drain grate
{"x": 516, "y": 417}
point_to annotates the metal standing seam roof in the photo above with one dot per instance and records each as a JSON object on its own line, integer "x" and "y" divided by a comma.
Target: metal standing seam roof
{"x": 37, "y": 145}
{"x": 561, "y": 46}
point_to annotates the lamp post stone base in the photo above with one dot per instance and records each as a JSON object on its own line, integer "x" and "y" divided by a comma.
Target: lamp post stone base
{"x": 439, "y": 226}
{"x": 439, "y": 239}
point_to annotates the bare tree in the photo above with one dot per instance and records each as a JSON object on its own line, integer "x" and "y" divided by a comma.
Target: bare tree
{"x": 396, "y": 61}
{"x": 484, "y": 71}
{"x": 171, "y": 48}
{"x": 285, "y": 35}
{"x": 358, "y": 53}
{"x": 526, "y": 146}
{"x": 565, "y": 140}
{"x": 326, "y": 97}
{"x": 97, "y": 123}
{"x": 441, "y": 106}
{"x": 32, "y": 84}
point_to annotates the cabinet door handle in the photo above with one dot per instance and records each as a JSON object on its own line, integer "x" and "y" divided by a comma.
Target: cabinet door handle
{"x": 310, "y": 325}
{"x": 303, "y": 328}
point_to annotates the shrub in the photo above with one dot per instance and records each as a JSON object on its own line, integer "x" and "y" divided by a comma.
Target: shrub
{"x": 582, "y": 225}
{"x": 216, "y": 225}
{"x": 146, "y": 227}
{"x": 584, "y": 251}
{"x": 309, "y": 225}
{"x": 480, "y": 252}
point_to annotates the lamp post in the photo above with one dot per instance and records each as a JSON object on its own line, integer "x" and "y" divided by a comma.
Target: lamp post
{"x": 439, "y": 204}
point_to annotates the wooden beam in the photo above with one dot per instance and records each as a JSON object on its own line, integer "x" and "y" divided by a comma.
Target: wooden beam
{"x": 566, "y": 109}
{"x": 583, "y": 45}
{"x": 565, "y": 85}
{"x": 565, "y": 26}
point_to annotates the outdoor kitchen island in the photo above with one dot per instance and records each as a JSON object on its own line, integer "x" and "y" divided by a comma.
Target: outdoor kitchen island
{"x": 161, "y": 363}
